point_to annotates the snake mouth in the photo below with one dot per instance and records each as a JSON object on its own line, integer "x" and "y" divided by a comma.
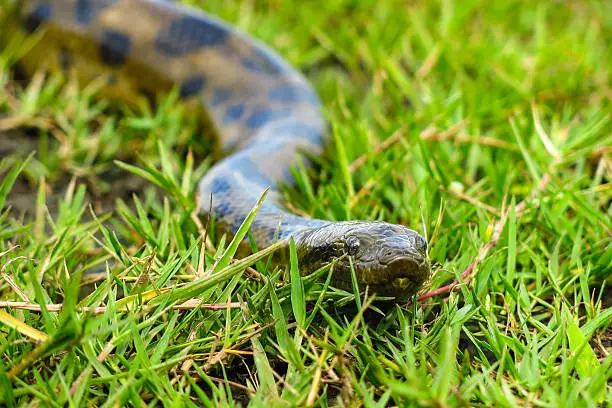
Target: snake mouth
{"x": 402, "y": 283}
{"x": 408, "y": 272}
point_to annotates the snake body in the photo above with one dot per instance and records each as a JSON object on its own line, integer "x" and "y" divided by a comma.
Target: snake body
{"x": 263, "y": 111}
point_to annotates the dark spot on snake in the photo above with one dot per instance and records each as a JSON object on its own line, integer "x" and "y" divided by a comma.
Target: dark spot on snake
{"x": 220, "y": 185}
{"x": 40, "y": 14}
{"x": 285, "y": 233}
{"x": 149, "y": 96}
{"x": 114, "y": 48}
{"x": 20, "y": 74}
{"x": 263, "y": 115}
{"x": 233, "y": 113}
{"x": 262, "y": 62}
{"x": 235, "y": 224}
{"x": 223, "y": 209}
{"x": 188, "y": 34}
{"x": 220, "y": 96}
{"x": 291, "y": 93}
{"x": 86, "y": 10}
{"x": 31, "y": 132}
{"x": 65, "y": 58}
{"x": 234, "y": 221}
{"x": 192, "y": 86}
{"x": 83, "y": 11}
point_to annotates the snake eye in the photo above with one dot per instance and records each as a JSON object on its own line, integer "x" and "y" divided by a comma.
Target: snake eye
{"x": 352, "y": 243}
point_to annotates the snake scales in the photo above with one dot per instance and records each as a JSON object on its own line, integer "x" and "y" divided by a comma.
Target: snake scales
{"x": 261, "y": 108}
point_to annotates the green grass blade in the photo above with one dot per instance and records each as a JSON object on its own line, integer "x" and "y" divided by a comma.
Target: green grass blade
{"x": 298, "y": 301}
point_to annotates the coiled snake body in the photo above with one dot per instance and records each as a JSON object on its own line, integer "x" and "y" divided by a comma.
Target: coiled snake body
{"x": 261, "y": 108}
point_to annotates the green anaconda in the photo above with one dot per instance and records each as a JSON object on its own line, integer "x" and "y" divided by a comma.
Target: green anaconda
{"x": 263, "y": 111}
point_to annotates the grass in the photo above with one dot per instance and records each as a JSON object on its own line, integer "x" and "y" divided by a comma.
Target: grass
{"x": 445, "y": 116}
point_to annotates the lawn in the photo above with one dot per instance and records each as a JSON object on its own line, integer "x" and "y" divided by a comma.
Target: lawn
{"x": 485, "y": 126}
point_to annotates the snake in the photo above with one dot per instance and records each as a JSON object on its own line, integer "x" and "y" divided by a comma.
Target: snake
{"x": 263, "y": 112}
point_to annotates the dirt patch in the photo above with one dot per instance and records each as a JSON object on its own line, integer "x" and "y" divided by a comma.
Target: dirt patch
{"x": 18, "y": 144}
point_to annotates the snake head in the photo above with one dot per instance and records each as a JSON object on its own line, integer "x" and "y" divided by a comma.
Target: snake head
{"x": 390, "y": 259}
